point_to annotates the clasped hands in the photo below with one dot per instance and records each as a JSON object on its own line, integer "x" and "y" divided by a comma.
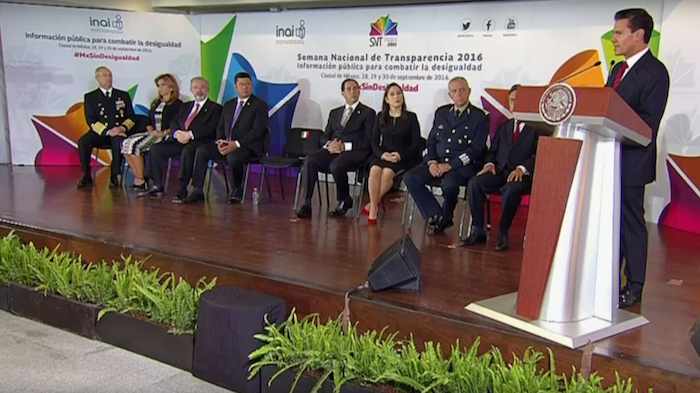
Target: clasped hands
{"x": 155, "y": 133}
{"x": 183, "y": 137}
{"x": 336, "y": 146}
{"x": 117, "y": 131}
{"x": 437, "y": 169}
{"x": 225, "y": 146}
{"x": 515, "y": 175}
{"x": 391, "y": 157}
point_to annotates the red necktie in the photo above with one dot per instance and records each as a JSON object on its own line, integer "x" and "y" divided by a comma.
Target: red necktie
{"x": 620, "y": 73}
{"x": 516, "y": 132}
{"x": 192, "y": 115}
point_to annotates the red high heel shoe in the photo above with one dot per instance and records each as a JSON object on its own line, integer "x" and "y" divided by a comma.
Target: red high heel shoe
{"x": 371, "y": 221}
{"x": 365, "y": 210}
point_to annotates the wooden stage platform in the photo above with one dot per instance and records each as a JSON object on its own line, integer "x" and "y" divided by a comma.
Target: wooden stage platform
{"x": 312, "y": 263}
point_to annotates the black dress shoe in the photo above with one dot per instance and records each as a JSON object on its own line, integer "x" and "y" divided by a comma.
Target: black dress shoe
{"x": 502, "y": 244}
{"x": 342, "y": 208}
{"x": 139, "y": 187}
{"x": 180, "y": 197}
{"x": 628, "y": 299}
{"x": 476, "y": 236}
{"x": 114, "y": 181}
{"x": 235, "y": 197}
{"x": 84, "y": 182}
{"x": 195, "y": 196}
{"x": 154, "y": 192}
{"x": 433, "y": 223}
{"x": 304, "y": 211}
{"x": 438, "y": 224}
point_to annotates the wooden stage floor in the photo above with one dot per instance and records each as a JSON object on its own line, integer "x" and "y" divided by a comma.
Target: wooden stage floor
{"x": 312, "y": 263}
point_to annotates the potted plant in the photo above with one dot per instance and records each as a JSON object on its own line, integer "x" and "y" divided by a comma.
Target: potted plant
{"x": 56, "y": 288}
{"x": 8, "y": 247}
{"x": 152, "y": 314}
{"x": 307, "y": 356}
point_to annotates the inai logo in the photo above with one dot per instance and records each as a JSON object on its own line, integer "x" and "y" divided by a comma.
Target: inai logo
{"x": 489, "y": 24}
{"x": 294, "y": 33}
{"x": 383, "y": 30}
{"x": 105, "y": 24}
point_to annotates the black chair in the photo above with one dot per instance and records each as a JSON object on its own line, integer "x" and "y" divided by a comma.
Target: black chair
{"x": 254, "y": 161}
{"x": 300, "y": 143}
{"x": 359, "y": 180}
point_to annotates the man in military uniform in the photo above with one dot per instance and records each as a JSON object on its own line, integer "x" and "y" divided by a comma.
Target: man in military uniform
{"x": 456, "y": 147}
{"x": 110, "y": 116}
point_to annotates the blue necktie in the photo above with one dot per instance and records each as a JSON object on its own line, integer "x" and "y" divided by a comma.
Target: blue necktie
{"x": 236, "y": 113}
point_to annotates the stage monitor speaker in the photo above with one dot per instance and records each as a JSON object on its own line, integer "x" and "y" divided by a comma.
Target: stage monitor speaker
{"x": 397, "y": 268}
{"x": 695, "y": 336}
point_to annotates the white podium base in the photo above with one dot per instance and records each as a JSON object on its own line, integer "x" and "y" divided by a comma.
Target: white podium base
{"x": 569, "y": 334}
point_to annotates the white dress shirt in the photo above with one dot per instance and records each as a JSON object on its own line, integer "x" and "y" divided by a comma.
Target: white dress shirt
{"x": 633, "y": 60}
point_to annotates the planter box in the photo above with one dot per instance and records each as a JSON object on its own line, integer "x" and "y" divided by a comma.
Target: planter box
{"x": 54, "y": 310}
{"x": 146, "y": 338}
{"x": 283, "y": 384}
{"x": 4, "y": 298}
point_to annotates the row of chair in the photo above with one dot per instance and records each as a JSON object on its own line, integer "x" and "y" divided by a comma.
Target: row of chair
{"x": 301, "y": 142}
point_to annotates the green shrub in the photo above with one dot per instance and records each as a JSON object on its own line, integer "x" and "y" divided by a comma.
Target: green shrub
{"x": 306, "y": 345}
{"x": 124, "y": 286}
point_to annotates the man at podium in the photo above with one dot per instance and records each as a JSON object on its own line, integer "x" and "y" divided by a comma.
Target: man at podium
{"x": 642, "y": 81}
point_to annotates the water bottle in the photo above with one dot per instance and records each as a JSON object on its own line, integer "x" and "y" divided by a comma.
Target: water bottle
{"x": 256, "y": 196}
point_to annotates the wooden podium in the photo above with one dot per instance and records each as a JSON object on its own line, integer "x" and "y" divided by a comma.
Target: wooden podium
{"x": 568, "y": 290}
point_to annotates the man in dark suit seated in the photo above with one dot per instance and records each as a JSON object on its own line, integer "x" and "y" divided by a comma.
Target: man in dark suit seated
{"x": 455, "y": 150}
{"x": 110, "y": 116}
{"x": 194, "y": 125}
{"x": 347, "y": 148}
{"x": 642, "y": 81}
{"x": 509, "y": 166}
{"x": 240, "y": 137}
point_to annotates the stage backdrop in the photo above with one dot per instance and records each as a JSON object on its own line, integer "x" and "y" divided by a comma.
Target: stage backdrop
{"x": 50, "y": 54}
{"x": 299, "y": 58}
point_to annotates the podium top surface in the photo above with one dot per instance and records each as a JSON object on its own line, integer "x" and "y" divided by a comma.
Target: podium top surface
{"x": 598, "y": 109}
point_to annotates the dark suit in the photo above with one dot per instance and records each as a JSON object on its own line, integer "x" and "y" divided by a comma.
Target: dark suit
{"x": 357, "y": 131}
{"x": 102, "y": 114}
{"x": 456, "y": 139}
{"x": 645, "y": 89}
{"x": 203, "y": 127}
{"x": 506, "y": 153}
{"x": 249, "y": 130}
{"x": 169, "y": 114}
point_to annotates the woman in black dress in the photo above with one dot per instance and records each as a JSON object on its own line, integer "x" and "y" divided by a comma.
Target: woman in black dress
{"x": 395, "y": 145}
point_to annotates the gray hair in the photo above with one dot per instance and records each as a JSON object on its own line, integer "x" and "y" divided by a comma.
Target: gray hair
{"x": 199, "y": 78}
{"x": 102, "y": 68}
{"x": 458, "y": 79}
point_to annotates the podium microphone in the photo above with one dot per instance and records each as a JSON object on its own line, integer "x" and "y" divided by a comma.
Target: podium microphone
{"x": 597, "y": 63}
